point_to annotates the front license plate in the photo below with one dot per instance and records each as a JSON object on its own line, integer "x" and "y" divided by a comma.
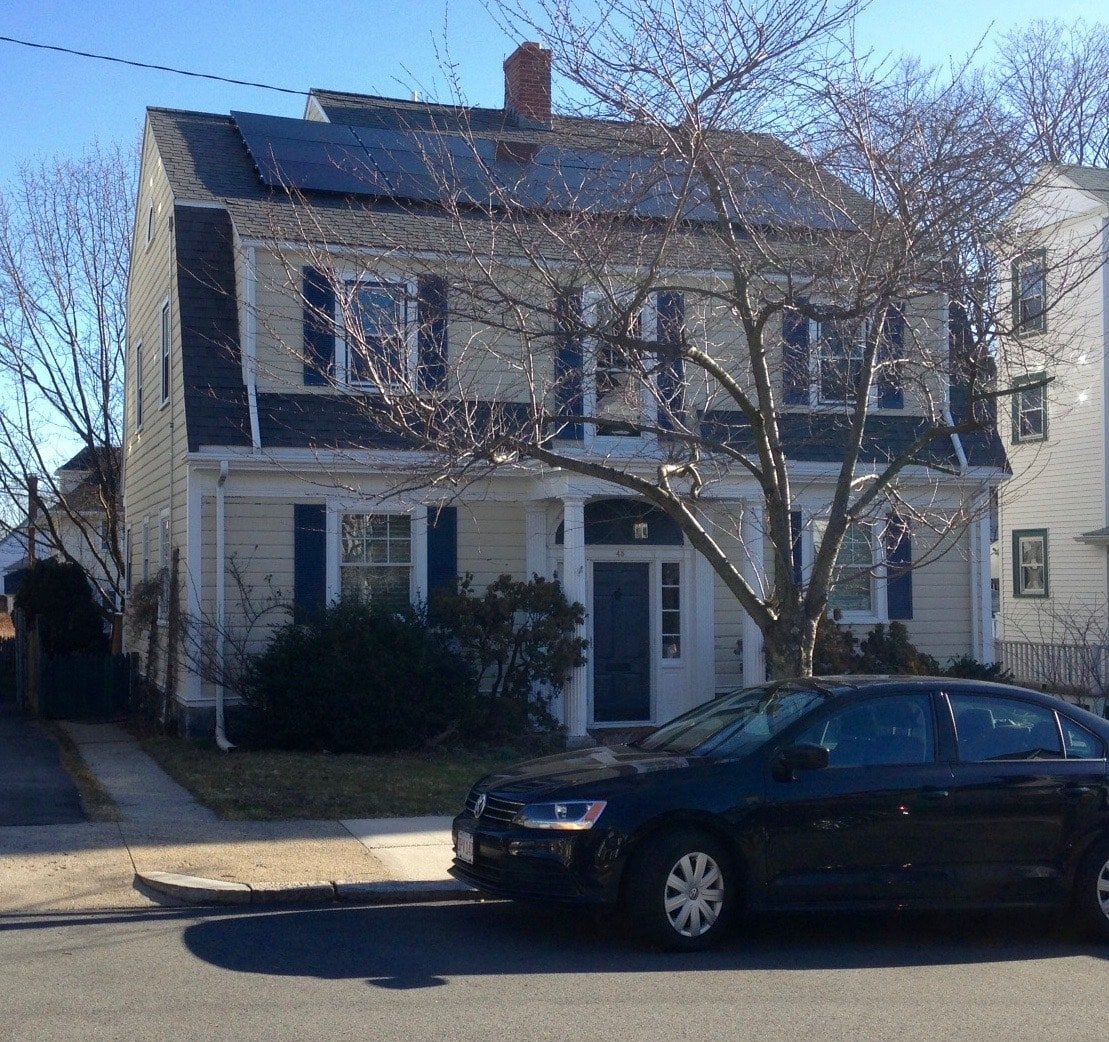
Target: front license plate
{"x": 464, "y": 845}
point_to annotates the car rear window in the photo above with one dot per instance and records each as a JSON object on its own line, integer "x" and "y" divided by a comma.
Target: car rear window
{"x": 1080, "y": 743}
{"x": 992, "y": 728}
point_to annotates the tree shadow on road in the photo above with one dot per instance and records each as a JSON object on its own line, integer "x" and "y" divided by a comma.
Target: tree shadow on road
{"x": 404, "y": 947}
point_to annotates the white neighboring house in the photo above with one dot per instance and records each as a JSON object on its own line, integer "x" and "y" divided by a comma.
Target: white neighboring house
{"x": 1054, "y": 518}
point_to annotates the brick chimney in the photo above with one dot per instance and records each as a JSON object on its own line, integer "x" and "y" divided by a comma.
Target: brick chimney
{"x": 527, "y": 84}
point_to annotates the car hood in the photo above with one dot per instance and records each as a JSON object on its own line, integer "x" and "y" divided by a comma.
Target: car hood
{"x": 584, "y": 766}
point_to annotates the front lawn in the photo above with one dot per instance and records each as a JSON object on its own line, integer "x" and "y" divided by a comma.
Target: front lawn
{"x": 265, "y": 785}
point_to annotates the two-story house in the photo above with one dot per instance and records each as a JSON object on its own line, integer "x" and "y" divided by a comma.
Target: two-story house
{"x": 1054, "y": 516}
{"x": 253, "y": 465}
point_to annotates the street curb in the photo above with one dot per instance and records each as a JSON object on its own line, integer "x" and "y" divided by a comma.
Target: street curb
{"x": 196, "y": 890}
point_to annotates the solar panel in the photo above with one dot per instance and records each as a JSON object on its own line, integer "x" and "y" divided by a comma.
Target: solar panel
{"x": 424, "y": 166}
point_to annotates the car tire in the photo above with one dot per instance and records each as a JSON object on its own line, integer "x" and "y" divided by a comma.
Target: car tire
{"x": 682, "y": 890}
{"x": 1091, "y": 894}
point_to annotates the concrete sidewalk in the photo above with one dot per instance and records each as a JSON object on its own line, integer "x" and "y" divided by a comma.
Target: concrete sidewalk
{"x": 171, "y": 846}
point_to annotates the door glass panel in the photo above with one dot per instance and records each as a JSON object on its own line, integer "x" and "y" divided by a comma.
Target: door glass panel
{"x": 884, "y": 731}
{"x": 1080, "y": 743}
{"x": 1004, "y": 729}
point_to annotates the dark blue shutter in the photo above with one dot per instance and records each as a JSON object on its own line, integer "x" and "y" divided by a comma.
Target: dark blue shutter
{"x": 795, "y": 523}
{"x": 891, "y": 350}
{"x": 569, "y": 369}
{"x": 319, "y": 328}
{"x": 670, "y": 323}
{"x": 442, "y": 549}
{"x": 899, "y": 576}
{"x": 795, "y": 357}
{"x": 431, "y": 367}
{"x": 309, "y": 559}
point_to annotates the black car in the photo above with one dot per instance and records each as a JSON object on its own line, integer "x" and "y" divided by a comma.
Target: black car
{"x": 846, "y": 792}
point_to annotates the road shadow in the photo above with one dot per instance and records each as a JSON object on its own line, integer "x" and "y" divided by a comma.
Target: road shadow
{"x": 423, "y": 946}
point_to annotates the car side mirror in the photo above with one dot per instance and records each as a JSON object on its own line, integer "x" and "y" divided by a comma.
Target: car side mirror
{"x": 794, "y": 758}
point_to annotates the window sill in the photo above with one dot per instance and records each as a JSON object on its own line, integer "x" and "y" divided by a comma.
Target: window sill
{"x": 1032, "y": 596}
{"x": 859, "y": 618}
{"x": 1039, "y": 439}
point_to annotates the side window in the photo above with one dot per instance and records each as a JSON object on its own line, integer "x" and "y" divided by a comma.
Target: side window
{"x": 1004, "y": 729}
{"x": 1080, "y": 743}
{"x": 885, "y": 731}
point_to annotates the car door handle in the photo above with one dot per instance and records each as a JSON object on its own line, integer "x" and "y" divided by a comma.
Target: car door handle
{"x": 1074, "y": 791}
{"x": 933, "y": 792}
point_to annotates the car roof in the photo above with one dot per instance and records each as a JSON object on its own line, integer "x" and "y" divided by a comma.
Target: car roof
{"x": 845, "y": 685}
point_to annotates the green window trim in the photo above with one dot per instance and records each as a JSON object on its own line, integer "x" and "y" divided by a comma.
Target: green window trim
{"x": 1030, "y": 534}
{"x": 1020, "y": 382}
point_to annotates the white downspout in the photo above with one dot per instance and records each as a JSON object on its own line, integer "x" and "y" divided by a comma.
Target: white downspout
{"x": 956, "y": 441}
{"x": 221, "y": 604}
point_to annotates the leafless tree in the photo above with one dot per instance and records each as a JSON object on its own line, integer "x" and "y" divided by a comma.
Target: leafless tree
{"x": 1053, "y": 80}
{"x": 835, "y": 203}
{"x": 65, "y": 232}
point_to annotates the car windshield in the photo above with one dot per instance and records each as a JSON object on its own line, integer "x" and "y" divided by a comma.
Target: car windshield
{"x": 735, "y": 723}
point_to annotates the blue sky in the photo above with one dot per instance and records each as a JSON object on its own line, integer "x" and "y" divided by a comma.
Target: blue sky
{"x": 58, "y": 104}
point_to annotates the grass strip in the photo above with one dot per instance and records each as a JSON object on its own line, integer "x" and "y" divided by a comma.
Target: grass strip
{"x": 269, "y": 785}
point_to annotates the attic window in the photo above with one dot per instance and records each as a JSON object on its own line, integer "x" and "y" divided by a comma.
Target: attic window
{"x": 151, "y": 223}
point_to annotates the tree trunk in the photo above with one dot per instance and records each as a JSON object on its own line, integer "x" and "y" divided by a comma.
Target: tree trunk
{"x": 789, "y": 644}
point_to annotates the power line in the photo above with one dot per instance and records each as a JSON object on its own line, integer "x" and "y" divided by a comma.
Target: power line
{"x": 148, "y": 65}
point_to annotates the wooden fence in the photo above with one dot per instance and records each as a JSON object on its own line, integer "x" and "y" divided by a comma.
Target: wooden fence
{"x": 1078, "y": 672}
{"x": 69, "y": 687}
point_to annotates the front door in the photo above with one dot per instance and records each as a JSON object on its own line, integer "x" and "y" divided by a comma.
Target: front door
{"x": 621, "y": 642}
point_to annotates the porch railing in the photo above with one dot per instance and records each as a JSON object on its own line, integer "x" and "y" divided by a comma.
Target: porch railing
{"x": 1078, "y": 672}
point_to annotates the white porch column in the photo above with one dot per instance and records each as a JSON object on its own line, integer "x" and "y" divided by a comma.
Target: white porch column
{"x": 576, "y": 693}
{"x": 702, "y": 675}
{"x": 981, "y": 595}
{"x": 752, "y": 532}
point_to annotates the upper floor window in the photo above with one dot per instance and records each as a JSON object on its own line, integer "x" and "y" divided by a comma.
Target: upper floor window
{"x": 151, "y": 223}
{"x": 165, "y": 352}
{"x": 837, "y": 360}
{"x": 128, "y": 566}
{"x": 1030, "y": 408}
{"x": 140, "y": 386}
{"x": 1030, "y": 562}
{"x": 619, "y": 401}
{"x": 375, "y": 559}
{"x": 380, "y": 347}
{"x": 1030, "y": 293}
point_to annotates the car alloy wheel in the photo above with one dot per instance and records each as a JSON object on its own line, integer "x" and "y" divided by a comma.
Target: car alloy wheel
{"x": 681, "y": 889}
{"x": 694, "y": 894}
{"x": 1102, "y": 884}
{"x": 1091, "y": 896}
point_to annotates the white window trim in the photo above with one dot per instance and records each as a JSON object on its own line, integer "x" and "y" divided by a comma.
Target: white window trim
{"x": 140, "y": 387}
{"x": 165, "y": 354}
{"x": 145, "y": 549}
{"x": 165, "y": 536}
{"x": 879, "y": 604}
{"x": 819, "y": 404}
{"x": 336, "y": 508}
{"x": 351, "y": 278}
{"x": 607, "y": 444}
{"x": 128, "y": 563}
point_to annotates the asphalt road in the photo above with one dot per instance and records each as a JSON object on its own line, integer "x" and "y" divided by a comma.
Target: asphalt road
{"x": 496, "y": 971}
{"x": 34, "y": 787}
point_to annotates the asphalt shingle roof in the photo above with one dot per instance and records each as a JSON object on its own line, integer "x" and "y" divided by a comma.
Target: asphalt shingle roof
{"x": 206, "y": 161}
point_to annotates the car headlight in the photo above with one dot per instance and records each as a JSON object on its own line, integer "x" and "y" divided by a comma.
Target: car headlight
{"x": 569, "y": 814}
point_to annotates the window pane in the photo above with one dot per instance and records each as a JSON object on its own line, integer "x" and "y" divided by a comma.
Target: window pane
{"x": 839, "y": 354}
{"x": 379, "y": 353}
{"x": 880, "y": 732}
{"x": 851, "y": 579}
{"x": 1004, "y": 729}
{"x": 670, "y": 573}
{"x": 384, "y": 586}
{"x": 671, "y": 611}
{"x": 1080, "y": 743}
